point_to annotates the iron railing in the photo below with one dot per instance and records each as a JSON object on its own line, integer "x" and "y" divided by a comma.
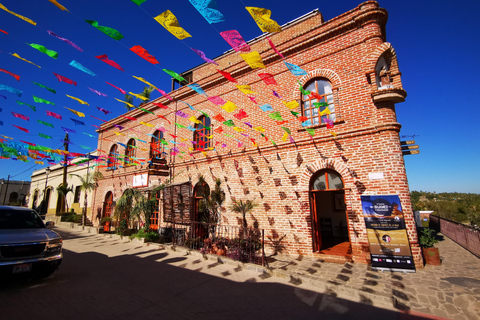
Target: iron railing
{"x": 238, "y": 243}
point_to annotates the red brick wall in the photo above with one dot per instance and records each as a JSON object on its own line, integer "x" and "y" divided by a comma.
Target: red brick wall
{"x": 343, "y": 50}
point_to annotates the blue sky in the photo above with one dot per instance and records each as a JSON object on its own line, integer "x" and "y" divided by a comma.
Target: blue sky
{"x": 436, "y": 45}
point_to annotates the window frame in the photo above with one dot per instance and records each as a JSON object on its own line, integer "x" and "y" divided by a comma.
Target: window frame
{"x": 201, "y": 133}
{"x": 325, "y": 173}
{"x": 76, "y": 197}
{"x": 129, "y": 153}
{"x": 156, "y": 147}
{"x": 306, "y": 98}
{"x": 112, "y": 164}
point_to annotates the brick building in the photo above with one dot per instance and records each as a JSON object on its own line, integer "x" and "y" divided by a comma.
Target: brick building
{"x": 308, "y": 187}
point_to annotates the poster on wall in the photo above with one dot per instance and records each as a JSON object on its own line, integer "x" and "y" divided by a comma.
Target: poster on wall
{"x": 387, "y": 235}
{"x": 140, "y": 180}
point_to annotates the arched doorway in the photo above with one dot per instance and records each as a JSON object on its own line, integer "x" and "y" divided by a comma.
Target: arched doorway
{"x": 35, "y": 198}
{"x": 47, "y": 199}
{"x": 107, "y": 209}
{"x": 200, "y": 191}
{"x": 329, "y": 216}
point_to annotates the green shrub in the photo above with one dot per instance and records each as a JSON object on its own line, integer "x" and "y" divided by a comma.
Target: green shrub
{"x": 427, "y": 238}
{"x": 152, "y": 236}
{"x": 71, "y": 218}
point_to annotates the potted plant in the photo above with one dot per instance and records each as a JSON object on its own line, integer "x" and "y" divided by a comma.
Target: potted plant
{"x": 427, "y": 241}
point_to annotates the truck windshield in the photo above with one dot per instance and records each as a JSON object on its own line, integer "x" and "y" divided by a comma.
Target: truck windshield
{"x": 20, "y": 219}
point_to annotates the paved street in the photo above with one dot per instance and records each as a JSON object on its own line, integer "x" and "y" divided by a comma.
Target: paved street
{"x": 109, "y": 278}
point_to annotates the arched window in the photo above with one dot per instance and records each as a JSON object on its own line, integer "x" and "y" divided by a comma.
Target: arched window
{"x": 318, "y": 106}
{"x": 156, "y": 147}
{"x": 112, "y": 158}
{"x": 35, "y": 198}
{"x": 326, "y": 180}
{"x": 202, "y": 130}
{"x": 129, "y": 153}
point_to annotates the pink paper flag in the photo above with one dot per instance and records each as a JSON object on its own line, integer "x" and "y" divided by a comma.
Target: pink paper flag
{"x": 105, "y": 59}
{"x": 64, "y": 79}
{"x": 119, "y": 89}
{"x": 21, "y": 116}
{"x": 234, "y": 39}
{"x": 275, "y": 49}
{"x": 53, "y": 114}
{"x": 216, "y": 100}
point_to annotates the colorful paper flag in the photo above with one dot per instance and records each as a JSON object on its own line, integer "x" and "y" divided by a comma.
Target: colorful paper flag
{"x": 10, "y": 89}
{"x": 80, "y": 67}
{"x": 64, "y": 79}
{"x": 53, "y": 114}
{"x": 295, "y": 70}
{"x": 40, "y": 100}
{"x": 267, "y": 78}
{"x": 65, "y": 40}
{"x": 174, "y": 75}
{"x": 21, "y": 128}
{"x": 98, "y": 92}
{"x": 68, "y": 130}
{"x": 3, "y": 31}
{"x": 79, "y": 100}
{"x": 21, "y": 116}
{"x": 266, "y": 107}
{"x": 275, "y": 49}
{"x": 229, "y": 106}
{"x": 17, "y": 15}
{"x": 17, "y": 56}
{"x": 112, "y": 33}
{"x": 78, "y": 113}
{"x": 28, "y": 105}
{"x": 44, "y": 136}
{"x": 168, "y": 20}
{"x": 241, "y": 115}
{"x": 58, "y": 5}
{"x": 39, "y": 47}
{"x": 235, "y": 40}
{"x": 253, "y": 59}
{"x": 140, "y": 51}
{"x": 216, "y": 100}
{"x": 16, "y": 76}
{"x": 291, "y": 104}
{"x": 219, "y": 118}
{"x": 181, "y": 114}
{"x": 262, "y": 18}
{"x": 138, "y": 96}
{"x": 246, "y": 89}
{"x": 202, "y": 55}
{"x": 229, "y": 123}
{"x": 46, "y": 123}
{"x": 197, "y": 88}
{"x": 105, "y": 59}
{"x": 227, "y": 75}
{"x": 45, "y": 87}
{"x": 77, "y": 122}
{"x": 119, "y": 89}
{"x": 209, "y": 10}
{"x": 138, "y": 2}
{"x": 276, "y": 116}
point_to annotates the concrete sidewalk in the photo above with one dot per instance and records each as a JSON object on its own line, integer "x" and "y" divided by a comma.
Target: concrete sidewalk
{"x": 451, "y": 290}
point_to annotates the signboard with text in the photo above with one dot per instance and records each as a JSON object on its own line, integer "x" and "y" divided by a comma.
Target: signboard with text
{"x": 387, "y": 235}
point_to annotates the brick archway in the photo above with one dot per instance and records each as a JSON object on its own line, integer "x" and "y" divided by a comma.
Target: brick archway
{"x": 371, "y": 60}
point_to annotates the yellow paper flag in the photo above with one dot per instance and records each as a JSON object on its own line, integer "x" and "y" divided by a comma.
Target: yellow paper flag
{"x": 81, "y": 101}
{"x": 78, "y": 113}
{"x": 147, "y": 124}
{"x": 144, "y": 81}
{"x": 285, "y": 136}
{"x": 291, "y": 105}
{"x": 246, "y": 89}
{"x": 118, "y": 133}
{"x": 138, "y": 96}
{"x": 17, "y": 15}
{"x": 129, "y": 104}
{"x": 168, "y": 20}
{"x": 253, "y": 59}
{"x": 259, "y": 129}
{"x": 17, "y": 56}
{"x": 333, "y": 133}
{"x": 238, "y": 129}
{"x": 39, "y": 162}
{"x": 262, "y": 18}
{"x": 194, "y": 119}
{"x": 229, "y": 106}
{"x": 59, "y": 6}
{"x": 326, "y": 111}
{"x": 6, "y": 137}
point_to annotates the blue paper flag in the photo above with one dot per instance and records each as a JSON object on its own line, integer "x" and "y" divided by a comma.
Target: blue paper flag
{"x": 77, "y": 65}
{"x": 266, "y": 107}
{"x": 188, "y": 104}
{"x": 10, "y": 89}
{"x": 68, "y": 130}
{"x": 208, "y": 9}
{"x": 295, "y": 70}
{"x": 197, "y": 88}
{"x": 77, "y": 122}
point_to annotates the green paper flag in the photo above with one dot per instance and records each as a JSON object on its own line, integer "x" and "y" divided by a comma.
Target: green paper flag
{"x": 145, "y": 110}
{"x": 45, "y": 87}
{"x": 204, "y": 113}
{"x": 138, "y": 2}
{"x": 311, "y": 131}
{"x": 85, "y": 147}
{"x": 174, "y": 74}
{"x": 276, "y": 116}
{"x": 39, "y": 47}
{"x": 229, "y": 123}
{"x": 295, "y": 113}
{"x": 320, "y": 104}
{"x": 46, "y": 123}
{"x": 164, "y": 142}
{"x": 179, "y": 125}
{"x": 44, "y": 136}
{"x": 28, "y": 105}
{"x": 37, "y": 99}
{"x": 112, "y": 33}
{"x": 287, "y": 130}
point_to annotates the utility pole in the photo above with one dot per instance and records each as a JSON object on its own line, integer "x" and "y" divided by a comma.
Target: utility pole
{"x": 6, "y": 189}
{"x": 65, "y": 144}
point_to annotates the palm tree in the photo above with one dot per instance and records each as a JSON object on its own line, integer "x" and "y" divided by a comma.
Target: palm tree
{"x": 62, "y": 191}
{"x": 125, "y": 206}
{"x": 211, "y": 203}
{"x": 147, "y": 93}
{"x": 128, "y": 102}
{"x": 243, "y": 207}
{"x": 88, "y": 183}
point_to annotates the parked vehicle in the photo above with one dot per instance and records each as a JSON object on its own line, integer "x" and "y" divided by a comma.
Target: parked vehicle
{"x": 27, "y": 245}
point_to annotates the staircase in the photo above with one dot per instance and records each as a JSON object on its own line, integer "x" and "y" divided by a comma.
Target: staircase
{"x": 88, "y": 223}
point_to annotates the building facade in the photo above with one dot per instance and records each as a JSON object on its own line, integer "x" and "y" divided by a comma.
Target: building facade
{"x": 306, "y": 136}
{"x": 44, "y": 183}
{"x": 14, "y": 192}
